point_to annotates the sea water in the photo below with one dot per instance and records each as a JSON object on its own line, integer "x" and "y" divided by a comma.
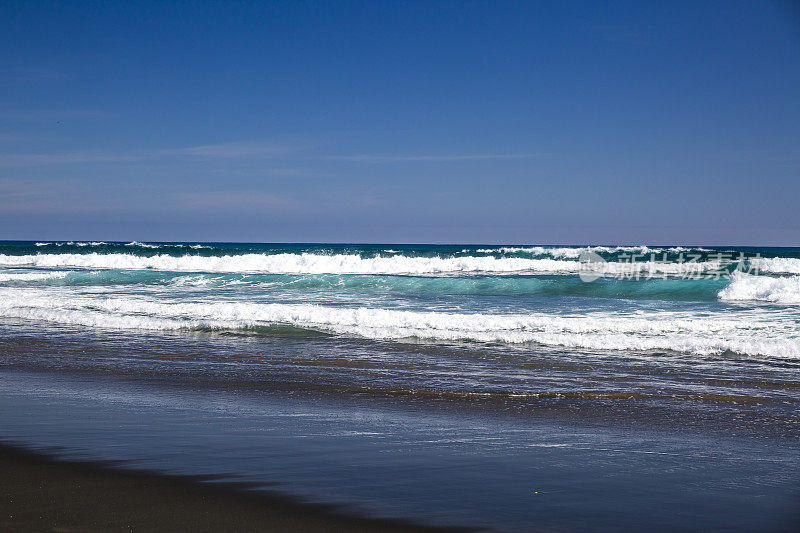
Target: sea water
{"x": 446, "y": 384}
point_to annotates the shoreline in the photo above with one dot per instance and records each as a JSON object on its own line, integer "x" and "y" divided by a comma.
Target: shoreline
{"x": 41, "y": 492}
{"x": 554, "y": 475}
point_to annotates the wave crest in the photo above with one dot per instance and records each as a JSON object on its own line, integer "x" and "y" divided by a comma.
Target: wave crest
{"x": 310, "y": 263}
{"x": 784, "y": 290}
{"x": 754, "y": 333}
{"x": 776, "y": 265}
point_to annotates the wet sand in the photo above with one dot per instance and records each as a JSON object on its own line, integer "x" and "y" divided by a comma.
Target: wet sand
{"x": 614, "y": 442}
{"x": 40, "y": 493}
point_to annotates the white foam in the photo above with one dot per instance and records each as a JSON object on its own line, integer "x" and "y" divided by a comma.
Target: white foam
{"x": 751, "y": 332}
{"x": 560, "y": 253}
{"x": 72, "y": 243}
{"x": 574, "y": 253}
{"x": 784, "y": 290}
{"x": 30, "y": 276}
{"x": 776, "y": 265}
{"x": 192, "y": 281}
{"x": 308, "y": 263}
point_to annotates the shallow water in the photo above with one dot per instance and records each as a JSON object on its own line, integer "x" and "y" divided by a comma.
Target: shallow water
{"x": 434, "y": 466}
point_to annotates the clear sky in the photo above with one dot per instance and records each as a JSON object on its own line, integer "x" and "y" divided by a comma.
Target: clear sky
{"x": 481, "y": 122}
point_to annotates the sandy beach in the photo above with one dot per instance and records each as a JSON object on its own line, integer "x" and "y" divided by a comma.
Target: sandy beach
{"x": 40, "y": 493}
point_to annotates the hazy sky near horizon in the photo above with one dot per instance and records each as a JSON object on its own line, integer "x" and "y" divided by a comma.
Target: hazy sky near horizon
{"x": 481, "y": 122}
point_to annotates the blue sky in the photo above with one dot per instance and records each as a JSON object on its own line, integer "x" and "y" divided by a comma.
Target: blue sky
{"x": 483, "y": 122}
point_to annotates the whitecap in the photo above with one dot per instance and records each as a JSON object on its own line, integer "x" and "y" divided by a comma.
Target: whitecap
{"x": 783, "y": 290}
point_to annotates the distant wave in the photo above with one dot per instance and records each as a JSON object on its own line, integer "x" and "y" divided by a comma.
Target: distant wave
{"x": 753, "y": 333}
{"x": 82, "y": 244}
{"x": 311, "y": 263}
{"x": 575, "y": 252}
{"x": 142, "y": 244}
{"x": 72, "y": 243}
{"x": 784, "y": 290}
{"x": 555, "y": 252}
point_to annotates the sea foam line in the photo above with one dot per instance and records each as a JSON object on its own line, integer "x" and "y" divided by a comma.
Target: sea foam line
{"x": 31, "y": 276}
{"x": 751, "y": 333}
{"x": 309, "y": 263}
{"x": 131, "y": 244}
{"x": 575, "y": 252}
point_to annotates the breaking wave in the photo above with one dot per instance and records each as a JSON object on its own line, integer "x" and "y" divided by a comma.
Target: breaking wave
{"x": 777, "y": 265}
{"x": 311, "y": 263}
{"x": 783, "y": 290}
{"x": 575, "y": 252}
{"x": 752, "y": 333}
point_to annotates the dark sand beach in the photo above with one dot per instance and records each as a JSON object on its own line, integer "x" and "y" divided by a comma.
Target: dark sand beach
{"x": 40, "y": 493}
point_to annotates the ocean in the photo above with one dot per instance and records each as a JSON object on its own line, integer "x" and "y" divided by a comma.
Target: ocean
{"x": 496, "y": 387}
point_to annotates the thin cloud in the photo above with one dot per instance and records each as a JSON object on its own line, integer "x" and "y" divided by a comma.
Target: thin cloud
{"x": 29, "y": 160}
{"x": 236, "y": 200}
{"x": 50, "y": 115}
{"x": 366, "y": 158}
{"x": 223, "y": 151}
{"x": 46, "y": 197}
{"x": 253, "y": 150}
{"x": 9, "y": 186}
{"x": 230, "y": 150}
